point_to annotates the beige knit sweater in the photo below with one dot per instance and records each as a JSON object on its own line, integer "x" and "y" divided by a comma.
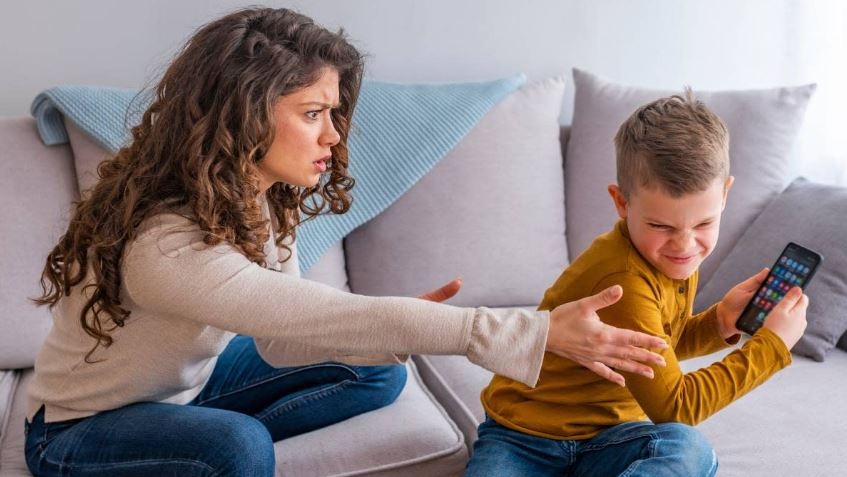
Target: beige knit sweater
{"x": 187, "y": 300}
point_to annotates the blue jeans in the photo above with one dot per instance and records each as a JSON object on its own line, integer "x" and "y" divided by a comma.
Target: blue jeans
{"x": 630, "y": 449}
{"x": 228, "y": 430}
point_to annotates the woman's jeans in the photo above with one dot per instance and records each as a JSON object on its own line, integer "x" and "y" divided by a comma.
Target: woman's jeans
{"x": 228, "y": 430}
{"x": 630, "y": 449}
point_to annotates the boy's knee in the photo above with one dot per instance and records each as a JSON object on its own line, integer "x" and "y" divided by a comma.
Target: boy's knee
{"x": 691, "y": 446}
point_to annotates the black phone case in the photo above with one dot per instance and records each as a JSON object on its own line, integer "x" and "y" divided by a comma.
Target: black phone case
{"x": 795, "y": 266}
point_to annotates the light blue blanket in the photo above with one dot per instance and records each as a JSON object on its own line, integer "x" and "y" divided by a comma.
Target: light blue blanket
{"x": 399, "y": 133}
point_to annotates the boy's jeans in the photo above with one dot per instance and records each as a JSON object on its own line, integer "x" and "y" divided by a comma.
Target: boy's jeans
{"x": 630, "y": 449}
{"x": 228, "y": 430}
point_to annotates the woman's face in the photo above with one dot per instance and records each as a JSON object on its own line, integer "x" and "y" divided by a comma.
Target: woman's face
{"x": 304, "y": 135}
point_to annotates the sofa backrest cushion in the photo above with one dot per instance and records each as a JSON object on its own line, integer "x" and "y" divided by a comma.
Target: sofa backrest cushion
{"x": 762, "y": 126}
{"x": 38, "y": 187}
{"x": 491, "y": 212}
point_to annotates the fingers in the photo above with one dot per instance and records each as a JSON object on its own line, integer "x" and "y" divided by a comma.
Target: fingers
{"x": 752, "y": 284}
{"x": 603, "y": 299}
{"x": 620, "y": 336}
{"x": 604, "y": 372}
{"x": 446, "y": 291}
{"x": 794, "y": 300}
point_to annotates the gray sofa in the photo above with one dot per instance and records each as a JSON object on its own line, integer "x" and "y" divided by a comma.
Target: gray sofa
{"x": 504, "y": 210}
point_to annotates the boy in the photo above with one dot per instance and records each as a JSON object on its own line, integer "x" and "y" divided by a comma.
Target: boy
{"x": 673, "y": 179}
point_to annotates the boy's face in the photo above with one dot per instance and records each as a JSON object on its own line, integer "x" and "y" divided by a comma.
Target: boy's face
{"x": 674, "y": 234}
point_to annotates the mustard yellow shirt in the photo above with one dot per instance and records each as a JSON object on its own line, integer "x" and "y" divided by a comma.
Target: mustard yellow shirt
{"x": 570, "y": 402}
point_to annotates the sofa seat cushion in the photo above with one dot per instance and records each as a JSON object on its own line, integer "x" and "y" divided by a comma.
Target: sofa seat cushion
{"x": 457, "y": 384}
{"x": 411, "y": 437}
{"x": 791, "y": 425}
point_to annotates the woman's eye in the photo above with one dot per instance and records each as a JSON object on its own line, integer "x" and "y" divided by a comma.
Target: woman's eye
{"x": 313, "y": 114}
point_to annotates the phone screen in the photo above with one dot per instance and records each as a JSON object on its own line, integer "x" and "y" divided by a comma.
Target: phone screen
{"x": 794, "y": 267}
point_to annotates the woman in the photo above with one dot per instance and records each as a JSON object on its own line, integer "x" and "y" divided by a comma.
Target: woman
{"x": 177, "y": 347}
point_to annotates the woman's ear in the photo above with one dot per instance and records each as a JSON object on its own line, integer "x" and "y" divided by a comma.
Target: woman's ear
{"x": 619, "y": 200}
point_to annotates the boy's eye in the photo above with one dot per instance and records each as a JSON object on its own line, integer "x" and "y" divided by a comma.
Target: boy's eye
{"x": 658, "y": 226}
{"x": 704, "y": 225}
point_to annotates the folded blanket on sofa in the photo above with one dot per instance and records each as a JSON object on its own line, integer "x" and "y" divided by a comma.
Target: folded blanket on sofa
{"x": 399, "y": 133}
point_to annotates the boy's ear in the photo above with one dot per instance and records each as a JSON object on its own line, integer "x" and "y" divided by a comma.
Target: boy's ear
{"x": 619, "y": 200}
{"x": 729, "y": 181}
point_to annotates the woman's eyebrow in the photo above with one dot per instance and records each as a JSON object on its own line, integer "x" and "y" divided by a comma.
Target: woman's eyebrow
{"x": 319, "y": 104}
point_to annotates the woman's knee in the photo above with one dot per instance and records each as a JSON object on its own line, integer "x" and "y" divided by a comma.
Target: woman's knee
{"x": 245, "y": 446}
{"x": 386, "y": 382}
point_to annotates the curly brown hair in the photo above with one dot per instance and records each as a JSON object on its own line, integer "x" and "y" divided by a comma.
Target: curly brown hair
{"x": 196, "y": 151}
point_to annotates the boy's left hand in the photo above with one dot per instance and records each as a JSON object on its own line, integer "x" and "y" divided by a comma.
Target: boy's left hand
{"x": 733, "y": 303}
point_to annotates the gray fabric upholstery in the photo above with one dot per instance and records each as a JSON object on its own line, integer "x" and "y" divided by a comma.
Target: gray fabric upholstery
{"x": 490, "y": 211}
{"x": 38, "y": 185}
{"x": 412, "y": 437}
{"x": 330, "y": 268}
{"x": 812, "y": 215}
{"x": 793, "y": 425}
{"x": 762, "y": 126}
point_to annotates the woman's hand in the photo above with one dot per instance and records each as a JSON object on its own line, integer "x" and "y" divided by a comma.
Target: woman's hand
{"x": 577, "y": 333}
{"x": 445, "y": 292}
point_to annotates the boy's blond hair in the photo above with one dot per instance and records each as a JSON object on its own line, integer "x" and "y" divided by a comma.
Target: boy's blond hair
{"x": 674, "y": 143}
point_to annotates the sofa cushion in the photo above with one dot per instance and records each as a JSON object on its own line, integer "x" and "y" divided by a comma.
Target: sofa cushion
{"x": 457, "y": 384}
{"x": 762, "y": 126}
{"x": 13, "y": 385}
{"x": 811, "y": 215}
{"x": 330, "y": 269}
{"x": 492, "y": 212}
{"x": 791, "y": 425}
{"x": 411, "y": 437}
{"x": 38, "y": 186}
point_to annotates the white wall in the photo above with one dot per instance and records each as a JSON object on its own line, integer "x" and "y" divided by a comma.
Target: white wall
{"x": 709, "y": 44}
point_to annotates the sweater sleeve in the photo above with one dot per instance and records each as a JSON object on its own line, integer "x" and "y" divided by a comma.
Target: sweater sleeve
{"x": 169, "y": 271}
{"x": 689, "y": 398}
{"x": 701, "y": 336}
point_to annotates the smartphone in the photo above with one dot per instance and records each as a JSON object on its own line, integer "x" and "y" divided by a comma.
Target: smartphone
{"x": 795, "y": 267}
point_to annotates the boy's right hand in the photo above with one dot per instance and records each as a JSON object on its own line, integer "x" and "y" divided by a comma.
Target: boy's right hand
{"x": 788, "y": 318}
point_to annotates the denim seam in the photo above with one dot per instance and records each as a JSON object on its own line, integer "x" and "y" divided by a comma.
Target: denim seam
{"x": 592, "y": 447}
{"x": 651, "y": 447}
{"x": 266, "y": 379}
{"x": 306, "y": 398}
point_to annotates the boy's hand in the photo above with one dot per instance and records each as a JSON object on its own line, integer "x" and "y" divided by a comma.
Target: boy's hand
{"x": 733, "y": 303}
{"x": 788, "y": 318}
{"x": 577, "y": 333}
